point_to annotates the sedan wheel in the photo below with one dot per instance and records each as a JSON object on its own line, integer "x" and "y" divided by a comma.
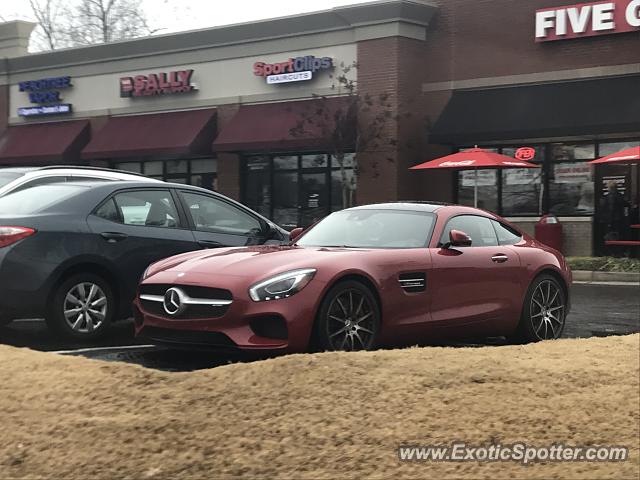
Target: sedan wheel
{"x": 544, "y": 312}
{"x": 349, "y": 318}
{"x": 85, "y": 307}
{"x": 82, "y": 307}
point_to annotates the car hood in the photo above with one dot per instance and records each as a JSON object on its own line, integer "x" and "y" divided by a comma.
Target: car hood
{"x": 254, "y": 262}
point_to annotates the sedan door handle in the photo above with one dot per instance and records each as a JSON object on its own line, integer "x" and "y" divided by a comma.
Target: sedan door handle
{"x": 500, "y": 258}
{"x": 209, "y": 244}
{"x": 113, "y": 237}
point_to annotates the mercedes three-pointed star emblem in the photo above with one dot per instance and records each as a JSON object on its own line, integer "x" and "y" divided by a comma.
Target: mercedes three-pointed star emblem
{"x": 173, "y": 302}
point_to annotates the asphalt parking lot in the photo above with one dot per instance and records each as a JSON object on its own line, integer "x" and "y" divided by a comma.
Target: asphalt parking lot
{"x": 597, "y": 310}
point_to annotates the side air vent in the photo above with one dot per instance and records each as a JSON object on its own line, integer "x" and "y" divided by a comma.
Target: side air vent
{"x": 413, "y": 282}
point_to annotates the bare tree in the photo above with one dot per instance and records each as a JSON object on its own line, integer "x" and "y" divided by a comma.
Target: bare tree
{"x": 103, "y": 21}
{"x": 69, "y": 23}
{"x": 50, "y": 33}
{"x": 358, "y": 124}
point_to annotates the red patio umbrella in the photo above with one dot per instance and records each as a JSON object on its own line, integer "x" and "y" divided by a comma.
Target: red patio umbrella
{"x": 631, "y": 155}
{"x": 476, "y": 159}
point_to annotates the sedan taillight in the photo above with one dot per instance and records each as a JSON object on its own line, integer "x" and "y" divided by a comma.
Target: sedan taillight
{"x": 10, "y": 235}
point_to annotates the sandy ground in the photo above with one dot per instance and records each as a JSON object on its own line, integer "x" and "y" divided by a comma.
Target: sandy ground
{"x": 326, "y": 415}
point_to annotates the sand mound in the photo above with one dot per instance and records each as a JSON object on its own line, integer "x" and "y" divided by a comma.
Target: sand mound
{"x": 329, "y": 415}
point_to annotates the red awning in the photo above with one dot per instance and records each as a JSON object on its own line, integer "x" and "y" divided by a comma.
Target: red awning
{"x": 38, "y": 143}
{"x": 172, "y": 133}
{"x": 300, "y": 125}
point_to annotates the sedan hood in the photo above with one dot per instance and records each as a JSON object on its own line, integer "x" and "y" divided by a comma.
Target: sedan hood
{"x": 254, "y": 262}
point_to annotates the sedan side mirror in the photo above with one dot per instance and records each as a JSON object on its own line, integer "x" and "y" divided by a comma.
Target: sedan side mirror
{"x": 295, "y": 233}
{"x": 458, "y": 238}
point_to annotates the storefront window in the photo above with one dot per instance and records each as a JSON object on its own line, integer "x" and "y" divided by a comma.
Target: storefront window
{"x": 176, "y": 166}
{"x": 487, "y": 188}
{"x": 314, "y": 161}
{"x": 571, "y": 182}
{"x": 153, "y": 168}
{"x": 614, "y": 147}
{"x": 257, "y": 184}
{"x": 522, "y": 187}
{"x": 135, "y": 167}
{"x": 285, "y": 199}
{"x": 298, "y": 190}
{"x": 199, "y": 172}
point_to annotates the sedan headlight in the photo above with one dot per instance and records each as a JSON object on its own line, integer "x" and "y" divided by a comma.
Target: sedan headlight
{"x": 281, "y": 286}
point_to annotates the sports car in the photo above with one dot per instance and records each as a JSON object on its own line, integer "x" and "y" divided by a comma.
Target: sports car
{"x": 364, "y": 277}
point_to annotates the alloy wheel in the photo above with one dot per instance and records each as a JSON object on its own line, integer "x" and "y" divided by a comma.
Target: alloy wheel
{"x": 547, "y": 310}
{"x": 351, "y": 321}
{"x": 85, "y": 307}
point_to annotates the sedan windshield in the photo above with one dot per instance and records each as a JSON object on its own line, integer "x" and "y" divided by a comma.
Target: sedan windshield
{"x": 37, "y": 199}
{"x": 8, "y": 177}
{"x": 371, "y": 229}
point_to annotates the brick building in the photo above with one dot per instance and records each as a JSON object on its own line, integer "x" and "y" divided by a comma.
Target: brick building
{"x": 501, "y": 74}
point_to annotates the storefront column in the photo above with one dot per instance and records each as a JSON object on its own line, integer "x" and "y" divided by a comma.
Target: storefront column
{"x": 229, "y": 164}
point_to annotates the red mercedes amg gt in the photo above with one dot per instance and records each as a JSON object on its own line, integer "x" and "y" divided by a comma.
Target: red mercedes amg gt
{"x": 376, "y": 275}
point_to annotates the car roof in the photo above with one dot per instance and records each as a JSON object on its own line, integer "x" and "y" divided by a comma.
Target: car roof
{"x": 415, "y": 206}
{"x": 75, "y": 169}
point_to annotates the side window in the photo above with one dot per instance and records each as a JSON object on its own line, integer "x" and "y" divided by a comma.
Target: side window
{"x": 506, "y": 234}
{"x": 150, "y": 208}
{"x": 109, "y": 211}
{"x": 478, "y": 228}
{"x": 212, "y": 215}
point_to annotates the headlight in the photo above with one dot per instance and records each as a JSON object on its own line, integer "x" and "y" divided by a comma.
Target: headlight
{"x": 281, "y": 286}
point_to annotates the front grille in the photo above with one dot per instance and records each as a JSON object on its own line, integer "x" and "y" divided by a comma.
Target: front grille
{"x": 191, "y": 312}
{"x": 187, "y": 337}
{"x": 191, "y": 290}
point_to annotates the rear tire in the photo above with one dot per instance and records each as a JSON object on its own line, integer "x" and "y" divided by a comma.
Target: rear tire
{"x": 82, "y": 307}
{"x": 544, "y": 311}
{"x": 348, "y": 318}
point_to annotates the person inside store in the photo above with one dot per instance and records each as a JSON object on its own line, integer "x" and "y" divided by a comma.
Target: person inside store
{"x": 614, "y": 210}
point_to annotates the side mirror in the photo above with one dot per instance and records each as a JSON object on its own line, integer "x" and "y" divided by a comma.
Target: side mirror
{"x": 458, "y": 238}
{"x": 295, "y": 233}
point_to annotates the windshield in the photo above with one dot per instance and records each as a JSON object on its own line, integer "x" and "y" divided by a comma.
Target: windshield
{"x": 8, "y": 177}
{"x": 38, "y": 198}
{"x": 371, "y": 229}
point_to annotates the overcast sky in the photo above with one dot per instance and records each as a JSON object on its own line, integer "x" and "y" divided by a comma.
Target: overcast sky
{"x": 177, "y": 15}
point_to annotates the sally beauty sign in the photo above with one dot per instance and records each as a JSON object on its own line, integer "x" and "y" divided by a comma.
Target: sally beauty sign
{"x": 587, "y": 20}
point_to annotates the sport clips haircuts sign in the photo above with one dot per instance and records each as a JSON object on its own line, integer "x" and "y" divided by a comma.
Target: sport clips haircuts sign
{"x": 157, "y": 84}
{"x": 293, "y": 70}
{"x": 587, "y": 20}
{"x": 45, "y": 94}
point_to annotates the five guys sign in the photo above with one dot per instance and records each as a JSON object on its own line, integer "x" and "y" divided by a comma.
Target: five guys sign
{"x": 157, "y": 84}
{"x": 587, "y": 20}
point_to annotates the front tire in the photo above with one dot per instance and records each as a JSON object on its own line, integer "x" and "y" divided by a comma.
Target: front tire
{"x": 544, "y": 311}
{"x": 82, "y": 308}
{"x": 348, "y": 319}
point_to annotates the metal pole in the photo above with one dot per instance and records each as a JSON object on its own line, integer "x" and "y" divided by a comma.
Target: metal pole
{"x": 475, "y": 189}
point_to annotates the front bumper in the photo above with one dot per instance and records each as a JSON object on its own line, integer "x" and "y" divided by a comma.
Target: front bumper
{"x": 280, "y": 325}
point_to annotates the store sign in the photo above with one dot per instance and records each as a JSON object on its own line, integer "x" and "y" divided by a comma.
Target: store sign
{"x": 572, "y": 173}
{"x": 587, "y": 20}
{"x": 485, "y": 178}
{"x": 525, "y": 153}
{"x": 45, "y": 96}
{"x": 153, "y": 84}
{"x": 293, "y": 70}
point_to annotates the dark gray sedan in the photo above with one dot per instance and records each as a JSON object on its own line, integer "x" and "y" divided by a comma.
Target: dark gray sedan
{"x": 73, "y": 252}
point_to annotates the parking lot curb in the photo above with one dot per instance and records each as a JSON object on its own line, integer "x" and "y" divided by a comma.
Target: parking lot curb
{"x": 593, "y": 276}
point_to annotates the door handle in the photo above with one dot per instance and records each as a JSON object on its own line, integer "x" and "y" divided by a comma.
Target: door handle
{"x": 113, "y": 237}
{"x": 209, "y": 244}
{"x": 500, "y": 258}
